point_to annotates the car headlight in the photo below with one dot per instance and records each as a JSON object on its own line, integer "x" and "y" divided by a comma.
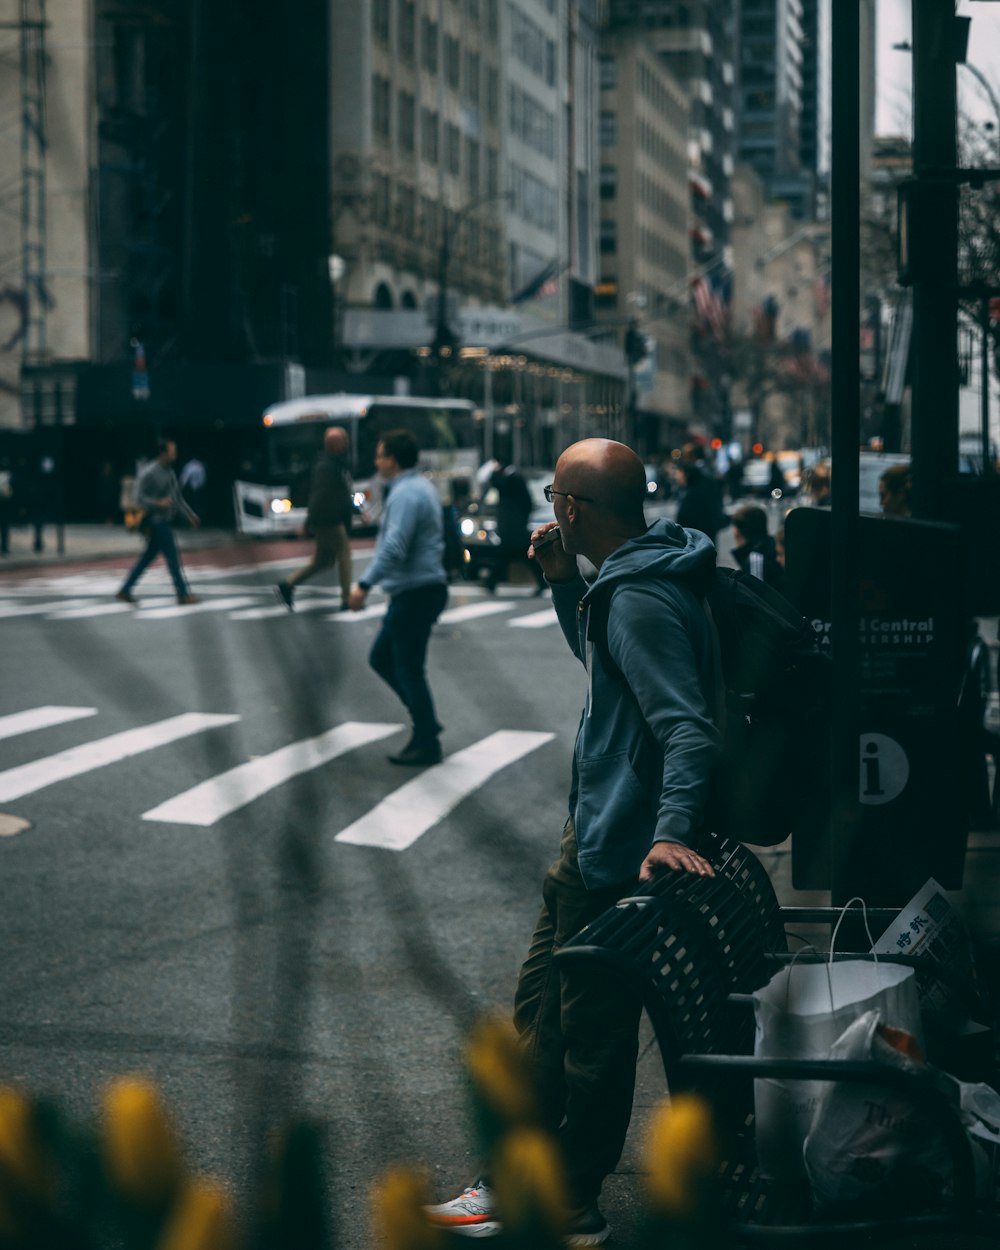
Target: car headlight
{"x": 468, "y": 527}
{"x": 279, "y": 506}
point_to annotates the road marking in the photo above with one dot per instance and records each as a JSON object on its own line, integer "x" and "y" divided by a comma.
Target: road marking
{"x": 219, "y": 796}
{"x": 28, "y": 778}
{"x": 279, "y": 609}
{"x": 471, "y": 611}
{"x": 41, "y": 718}
{"x": 101, "y": 609}
{"x": 191, "y": 609}
{"x": 535, "y": 620}
{"x": 39, "y": 609}
{"x": 366, "y": 614}
{"x": 406, "y": 814}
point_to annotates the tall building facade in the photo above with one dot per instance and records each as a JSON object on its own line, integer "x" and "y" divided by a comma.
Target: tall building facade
{"x": 644, "y": 247}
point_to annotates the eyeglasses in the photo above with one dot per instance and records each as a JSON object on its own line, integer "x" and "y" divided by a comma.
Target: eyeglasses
{"x": 549, "y": 492}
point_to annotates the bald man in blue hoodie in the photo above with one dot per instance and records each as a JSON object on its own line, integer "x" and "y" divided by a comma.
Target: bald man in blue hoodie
{"x": 645, "y": 748}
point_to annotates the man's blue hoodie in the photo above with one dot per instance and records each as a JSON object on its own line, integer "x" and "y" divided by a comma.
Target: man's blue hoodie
{"x": 646, "y": 744}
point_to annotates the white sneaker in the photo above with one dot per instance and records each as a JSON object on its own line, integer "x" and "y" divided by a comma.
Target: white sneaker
{"x": 469, "y": 1213}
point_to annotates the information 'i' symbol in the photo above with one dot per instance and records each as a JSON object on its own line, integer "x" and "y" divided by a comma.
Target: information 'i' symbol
{"x": 871, "y": 767}
{"x": 884, "y": 769}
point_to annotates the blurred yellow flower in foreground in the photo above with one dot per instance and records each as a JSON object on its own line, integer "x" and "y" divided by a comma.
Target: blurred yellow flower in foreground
{"x": 21, "y": 1155}
{"x": 681, "y": 1156}
{"x": 398, "y": 1207}
{"x": 142, "y": 1156}
{"x": 201, "y": 1220}
{"x": 529, "y": 1183}
{"x": 497, "y": 1066}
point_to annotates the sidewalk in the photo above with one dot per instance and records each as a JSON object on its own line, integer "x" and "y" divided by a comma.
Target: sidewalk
{"x": 73, "y": 543}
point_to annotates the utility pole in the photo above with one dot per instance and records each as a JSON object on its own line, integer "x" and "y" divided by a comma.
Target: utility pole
{"x": 935, "y": 243}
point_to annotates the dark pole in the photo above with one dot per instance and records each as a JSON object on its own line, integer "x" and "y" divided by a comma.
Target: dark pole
{"x": 984, "y": 344}
{"x": 844, "y": 439}
{"x": 935, "y": 308}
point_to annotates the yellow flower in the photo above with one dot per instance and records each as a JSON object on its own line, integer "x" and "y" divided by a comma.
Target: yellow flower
{"x": 201, "y": 1220}
{"x": 681, "y": 1156}
{"x": 400, "y": 1222}
{"x": 21, "y": 1155}
{"x": 142, "y": 1155}
{"x": 529, "y": 1182}
{"x": 497, "y": 1066}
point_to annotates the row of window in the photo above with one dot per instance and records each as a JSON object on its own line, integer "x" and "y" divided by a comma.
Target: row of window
{"x": 475, "y": 13}
{"x": 531, "y": 46}
{"x": 652, "y": 247}
{"x": 531, "y": 199}
{"x": 530, "y": 121}
{"x": 420, "y": 219}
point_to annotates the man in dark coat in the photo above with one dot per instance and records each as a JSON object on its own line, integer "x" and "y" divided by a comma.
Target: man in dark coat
{"x": 513, "y": 511}
{"x": 329, "y": 518}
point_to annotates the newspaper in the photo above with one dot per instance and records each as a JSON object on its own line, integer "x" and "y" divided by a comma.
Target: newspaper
{"x": 930, "y": 927}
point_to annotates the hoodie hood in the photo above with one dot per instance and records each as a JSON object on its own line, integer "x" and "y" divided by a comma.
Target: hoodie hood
{"x": 665, "y": 550}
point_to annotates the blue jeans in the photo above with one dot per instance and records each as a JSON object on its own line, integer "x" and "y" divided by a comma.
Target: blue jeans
{"x": 160, "y": 542}
{"x": 399, "y": 653}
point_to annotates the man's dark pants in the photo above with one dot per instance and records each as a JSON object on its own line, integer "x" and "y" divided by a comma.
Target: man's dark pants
{"x": 580, "y": 1029}
{"x": 159, "y": 542}
{"x": 399, "y": 653}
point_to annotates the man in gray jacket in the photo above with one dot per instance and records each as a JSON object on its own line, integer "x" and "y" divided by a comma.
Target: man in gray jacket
{"x": 158, "y": 495}
{"x": 645, "y": 747}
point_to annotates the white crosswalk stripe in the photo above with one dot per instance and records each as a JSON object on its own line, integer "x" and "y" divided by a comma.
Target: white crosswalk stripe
{"x": 41, "y": 718}
{"x": 473, "y": 611}
{"x": 102, "y": 609}
{"x": 27, "y": 778}
{"x": 535, "y": 620}
{"x": 399, "y": 820}
{"x": 193, "y": 609}
{"x": 371, "y": 613}
{"x": 279, "y": 609}
{"x": 40, "y": 609}
{"x": 219, "y": 796}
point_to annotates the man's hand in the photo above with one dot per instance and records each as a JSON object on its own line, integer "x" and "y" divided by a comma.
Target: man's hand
{"x": 675, "y": 856}
{"x": 356, "y": 599}
{"x": 195, "y": 521}
{"x": 556, "y": 564}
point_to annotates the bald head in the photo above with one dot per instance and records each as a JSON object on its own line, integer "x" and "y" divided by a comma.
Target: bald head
{"x": 335, "y": 441}
{"x": 607, "y": 473}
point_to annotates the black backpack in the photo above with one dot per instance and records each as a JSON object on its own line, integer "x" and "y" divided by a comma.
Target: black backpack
{"x": 773, "y": 771}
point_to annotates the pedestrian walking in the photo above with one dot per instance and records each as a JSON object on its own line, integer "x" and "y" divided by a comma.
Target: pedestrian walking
{"x": 513, "y": 511}
{"x": 328, "y": 518}
{"x": 158, "y": 496}
{"x": 755, "y": 551}
{"x": 895, "y": 487}
{"x": 645, "y": 748}
{"x": 700, "y": 505}
{"x": 409, "y": 565}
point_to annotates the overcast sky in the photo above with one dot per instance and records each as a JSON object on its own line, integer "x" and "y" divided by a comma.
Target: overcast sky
{"x": 894, "y": 68}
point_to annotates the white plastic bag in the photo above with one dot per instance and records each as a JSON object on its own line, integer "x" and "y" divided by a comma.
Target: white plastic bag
{"x": 800, "y": 1014}
{"x": 869, "y": 1142}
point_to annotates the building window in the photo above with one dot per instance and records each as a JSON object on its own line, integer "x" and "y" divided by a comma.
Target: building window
{"x": 429, "y": 45}
{"x": 472, "y": 73}
{"x": 380, "y": 20}
{"x": 609, "y": 182}
{"x": 609, "y": 72}
{"x": 407, "y": 29}
{"x": 452, "y": 149}
{"x": 472, "y": 165}
{"x": 429, "y": 136}
{"x": 380, "y": 194}
{"x": 609, "y": 238}
{"x": 492, "y": 171}
{"x": 492, "y": 20}
{"x": 608, "y": 130}
{"x": 407, "y": 110}
{"x": 492, "y": 94}
{"x": 452, "y": 61}
{"x": 380, "y": 105}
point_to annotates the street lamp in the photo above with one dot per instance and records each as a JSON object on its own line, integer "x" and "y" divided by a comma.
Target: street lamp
{"x": 905, "y": 46}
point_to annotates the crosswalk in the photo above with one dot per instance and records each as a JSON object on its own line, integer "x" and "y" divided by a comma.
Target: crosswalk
{"x": 74, "y": 598}
{"x": 394, "y": 822}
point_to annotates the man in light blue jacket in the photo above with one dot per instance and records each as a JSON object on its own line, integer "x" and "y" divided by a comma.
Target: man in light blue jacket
{"x": 645, "y": 748}
{"x": 409, "y": 566}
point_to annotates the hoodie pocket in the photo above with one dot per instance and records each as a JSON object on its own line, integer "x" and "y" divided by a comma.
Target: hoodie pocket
{"x": 610, "y": 795}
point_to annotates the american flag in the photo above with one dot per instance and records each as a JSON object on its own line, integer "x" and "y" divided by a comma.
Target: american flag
{"x": 711, "y": 305}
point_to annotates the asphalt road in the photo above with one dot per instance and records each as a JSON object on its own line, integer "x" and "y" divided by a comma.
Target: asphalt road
{"x": 224, "y": 884}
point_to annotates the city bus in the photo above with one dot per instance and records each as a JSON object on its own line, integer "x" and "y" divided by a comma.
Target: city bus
{"x": 271, "y": 495}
